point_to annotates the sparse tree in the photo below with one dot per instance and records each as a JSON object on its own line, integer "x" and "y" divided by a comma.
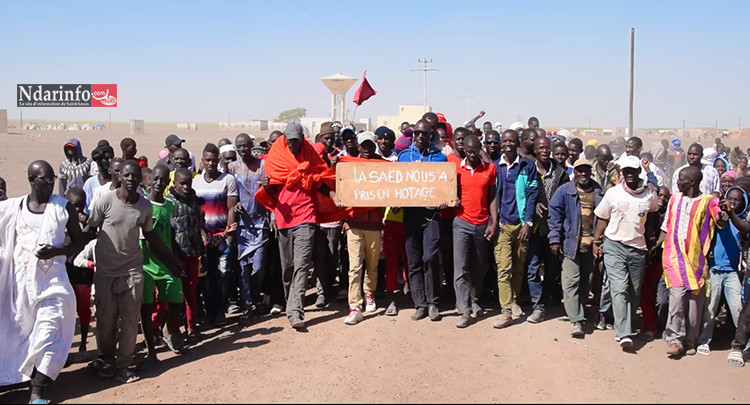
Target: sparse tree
{"x": 292, "y": 115}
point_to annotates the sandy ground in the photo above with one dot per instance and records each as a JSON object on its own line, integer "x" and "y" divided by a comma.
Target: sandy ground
{"x": 383, "y": 359}
{"x": 394, "y": 359}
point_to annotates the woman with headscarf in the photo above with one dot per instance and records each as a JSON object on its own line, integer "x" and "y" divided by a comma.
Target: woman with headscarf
{"x": 721, "y": 165}
{"x": 727, "y": 180}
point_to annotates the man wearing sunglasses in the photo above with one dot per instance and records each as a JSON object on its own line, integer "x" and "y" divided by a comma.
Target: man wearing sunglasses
{"x": 37, "y": 331}
{"x": 492, "y": 146}
{"x": 422, "y": 232}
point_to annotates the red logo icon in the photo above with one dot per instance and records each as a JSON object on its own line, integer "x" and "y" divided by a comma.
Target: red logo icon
{"x": 104, "y": 95}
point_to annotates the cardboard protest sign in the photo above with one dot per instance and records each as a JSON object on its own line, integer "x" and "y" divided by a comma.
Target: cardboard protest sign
{"x": 376, "y": 184}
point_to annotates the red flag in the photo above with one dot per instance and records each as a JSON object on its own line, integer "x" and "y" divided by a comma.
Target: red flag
{"x": 364, "y": 91}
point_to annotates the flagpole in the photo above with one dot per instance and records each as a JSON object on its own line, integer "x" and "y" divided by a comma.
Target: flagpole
{"x": 354, "y": 113}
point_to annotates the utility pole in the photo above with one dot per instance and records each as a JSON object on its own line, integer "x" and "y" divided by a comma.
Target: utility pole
{"x": 228, "y": 122}
{"x": 425, "y": 61}
{"x": 739, "y": 126}
{"x": 683, "y": 124}
{"x": 467, "y": 98}
{"x": 632, "y": 63}
{"x": 21, "y": 119}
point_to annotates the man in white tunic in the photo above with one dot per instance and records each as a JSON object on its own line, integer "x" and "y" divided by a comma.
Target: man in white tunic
{"x": 37, "y": 321}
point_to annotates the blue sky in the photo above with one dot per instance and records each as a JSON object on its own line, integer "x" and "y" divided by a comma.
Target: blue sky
{"x": 565, "y": 62}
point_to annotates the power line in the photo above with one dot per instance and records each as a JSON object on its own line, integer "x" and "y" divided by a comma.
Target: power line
{"x": 424, "y": 70}
{"x": 334, "y": 29}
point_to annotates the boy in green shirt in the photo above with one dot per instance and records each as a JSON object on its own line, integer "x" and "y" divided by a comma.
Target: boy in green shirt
{"x": 156, "y": 274}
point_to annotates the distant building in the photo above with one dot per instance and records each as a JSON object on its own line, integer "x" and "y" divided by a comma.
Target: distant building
{"x": 258, "y": 125}
{"x": 409, "y": 113}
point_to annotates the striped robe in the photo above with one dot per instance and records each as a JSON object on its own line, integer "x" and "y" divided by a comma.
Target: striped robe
{"x": 689, "y": 227}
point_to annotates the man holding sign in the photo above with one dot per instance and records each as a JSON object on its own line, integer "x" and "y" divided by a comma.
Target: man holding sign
{"x": 422, "y": 231}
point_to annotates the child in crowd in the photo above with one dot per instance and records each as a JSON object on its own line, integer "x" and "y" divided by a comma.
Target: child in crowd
{"x": 723, "y": 264}
{"x": 156, "y": 274}
{"x": 81, "y": 268}
{"x": 186, "y": 226}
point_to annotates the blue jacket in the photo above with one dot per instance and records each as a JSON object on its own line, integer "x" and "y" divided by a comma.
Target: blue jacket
{"x": 565, "y": 217}
{"x": 517, "y": 191}
{"x": 412, "y": 154}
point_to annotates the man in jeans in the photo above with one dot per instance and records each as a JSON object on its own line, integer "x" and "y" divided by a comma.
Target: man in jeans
{"x": 517, "y": 191}
{"x": 219, "y": 190}
{"x": 723, "y": 278}
{"x": 571, "y": 233}
{"x": 474, "y": 226}
{"x": 620, "y": 235}
{"x": 551, "y": 177}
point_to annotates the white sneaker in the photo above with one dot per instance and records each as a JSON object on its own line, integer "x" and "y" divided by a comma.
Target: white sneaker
{"x": 704, "y": 349}
{"x": 276, "y": 309}
{"x": 370, "y": 303}
{"x": 355, "y": 316}
{"x": 626, "y": 342}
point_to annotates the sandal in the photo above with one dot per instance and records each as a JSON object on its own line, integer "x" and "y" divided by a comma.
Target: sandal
{"x": 106, "y": 371}
{"x": 704, "y": 349}
{"x": 736, "y": 359}
{"x": 126, "y": 376}
{"x": 95, "y": 365}
{"x": 392, "y": 310}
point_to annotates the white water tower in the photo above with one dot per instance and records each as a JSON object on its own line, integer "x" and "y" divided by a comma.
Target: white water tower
{"x": 338, "y": 84}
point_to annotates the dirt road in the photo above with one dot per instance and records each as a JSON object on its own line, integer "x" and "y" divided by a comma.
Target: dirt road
{"x": 394, "y": 359}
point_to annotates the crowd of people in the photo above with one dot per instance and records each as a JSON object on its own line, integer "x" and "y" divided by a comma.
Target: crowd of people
{"x": 170, "y": 250}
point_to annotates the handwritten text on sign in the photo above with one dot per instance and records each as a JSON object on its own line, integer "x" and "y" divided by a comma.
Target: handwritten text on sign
{"x": 383, "y": 184}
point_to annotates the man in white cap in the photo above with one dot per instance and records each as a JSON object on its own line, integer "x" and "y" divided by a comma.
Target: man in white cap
{"x": 620, "y": 238}
{"x": 227, "y": 155}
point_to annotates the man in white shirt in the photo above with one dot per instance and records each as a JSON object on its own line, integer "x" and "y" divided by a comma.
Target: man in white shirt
{"x": 711, "y": 183}
{"x": 620, "y": 233}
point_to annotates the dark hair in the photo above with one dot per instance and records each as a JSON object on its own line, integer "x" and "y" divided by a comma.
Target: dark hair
{"x": 160, "y": 166}
{"x": 429, "y": 114}
{"x": 181, "y": 171}
{"x": 576, "y": 141}
{"x": 130, "y": 162}
{"x": 125, "y": 142}
{"x": 508, "y": 131}
{"x": 462, "y": 129}
{"x": 697, "y": 145}
{"x": 636, "y": 140}
{"x": 528, "y": 132}
{"x": 75, "y": 192}
{"x": 210, "y": 148}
